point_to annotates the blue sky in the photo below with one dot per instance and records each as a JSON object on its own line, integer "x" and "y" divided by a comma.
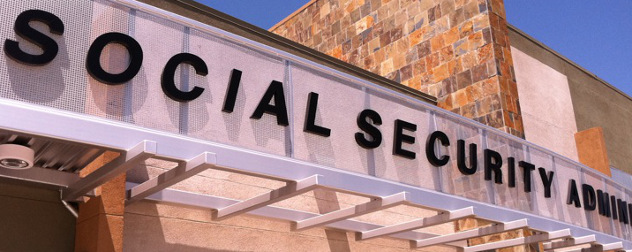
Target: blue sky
{"x": 596, "y": 35}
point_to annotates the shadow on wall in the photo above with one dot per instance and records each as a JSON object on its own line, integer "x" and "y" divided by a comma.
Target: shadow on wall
{"x": 32, "y": 214}
{"x": 232, "y": 121}
{"x": 86, "y": 233}
{"x": 152, "y": 229}
{"x": 327, "y": 201}
{"x": 163, "y": 227}
{"x": 46, "y": 84}
{"x": 121, "y": 100}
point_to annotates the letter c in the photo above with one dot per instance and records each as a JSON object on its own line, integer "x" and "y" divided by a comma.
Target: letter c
{"x": 169, "y": 85}
{"x": 430, "y": 150}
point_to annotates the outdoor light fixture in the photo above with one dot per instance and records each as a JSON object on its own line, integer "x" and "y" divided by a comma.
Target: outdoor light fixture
{"x": 15, "y": 156}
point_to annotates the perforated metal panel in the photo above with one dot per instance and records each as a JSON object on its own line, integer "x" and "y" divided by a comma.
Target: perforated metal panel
{"x": 60, "y": 84}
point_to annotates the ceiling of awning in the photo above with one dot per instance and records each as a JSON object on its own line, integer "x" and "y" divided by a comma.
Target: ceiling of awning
{"x": 54, "y": 154}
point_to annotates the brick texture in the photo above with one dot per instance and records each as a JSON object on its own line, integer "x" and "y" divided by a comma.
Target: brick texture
{"x": 455, "y": 50}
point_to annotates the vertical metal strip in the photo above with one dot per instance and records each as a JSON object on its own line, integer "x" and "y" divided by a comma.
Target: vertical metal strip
{"x": 183, "y": 124}
{"x": 370, "y": 153}
{"x": 289, "y": 93}
{"x": 611, "y": 220}
{"x": 532, "y": 196}
{"x": 129, "y": 88}
{"x": 628, "y": 199}
{"x": 491, "y": 191}
{"x": 624, "y": 197}
{"x": 438, "y": 171}
{"x": 589, "y": 214}
{"x": 557, "y": 196}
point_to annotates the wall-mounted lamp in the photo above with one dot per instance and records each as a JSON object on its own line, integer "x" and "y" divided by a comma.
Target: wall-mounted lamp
{"x": 14, "y": 156}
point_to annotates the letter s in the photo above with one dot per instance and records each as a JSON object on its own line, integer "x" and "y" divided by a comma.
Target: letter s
{"x": 47, "y": 44}
{"x": 370, "y": 129}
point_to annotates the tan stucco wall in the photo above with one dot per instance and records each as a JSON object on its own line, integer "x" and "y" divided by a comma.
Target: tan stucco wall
{"x": 595, "y": 102}
{"x": 597, "y": 105}
{"x": 32, "y": 214}
{"x": 547, "y": 109}
{"x": 151, "y": 226}
{"x": 159, "y": 227}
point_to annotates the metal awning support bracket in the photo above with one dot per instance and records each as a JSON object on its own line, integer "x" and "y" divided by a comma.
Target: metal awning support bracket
{"x": 441, "y": 218}
{"x": 42, "y": 175}
{"x": 570, "y": 242}
{"x": 542, "y": 237}
{"x": 293, "y": 188}
{"x": 617, "y": 246}
{"x": 347, "y": 213}
{"x": 127, "y": 160}
{"x": 171, "y": 177}
{"x": 470, "y": 234}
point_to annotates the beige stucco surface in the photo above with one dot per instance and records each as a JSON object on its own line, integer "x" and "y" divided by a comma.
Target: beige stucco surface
{"x": 547, "y": 109}
{"x": 161, "y": 227}
{"x": 595, "y": 102}
{"x": 598, "y": 105}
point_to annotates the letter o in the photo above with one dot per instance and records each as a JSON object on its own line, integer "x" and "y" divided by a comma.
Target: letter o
{"x": 93, "y": 62}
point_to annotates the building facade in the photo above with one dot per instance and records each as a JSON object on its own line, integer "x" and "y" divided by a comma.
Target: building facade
{"x": 365, "y": 126}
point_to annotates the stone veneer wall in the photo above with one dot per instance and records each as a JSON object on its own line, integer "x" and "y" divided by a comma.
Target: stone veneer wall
{"x": 455, "y": 50}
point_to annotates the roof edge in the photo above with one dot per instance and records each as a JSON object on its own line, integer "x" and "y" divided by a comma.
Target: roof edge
{"x": 263, "y": 36}
{"x": 292, "y": 15}
{"x": 562, "y": 57}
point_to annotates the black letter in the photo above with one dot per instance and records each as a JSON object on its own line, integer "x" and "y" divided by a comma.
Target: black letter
{"x": 590, "y": 200}
{"x": 493, "y": 162}
{"x": 623, "y": 211}
{"x": 546, "y": 181}
{"x": 93, "y": 62}
{"x": 603, "y": 200}
{"x": 511, "y": 173}
{"x": 613, "y": 201}
{"x": 573, "y": 195}
{"x": 364, "y": 125}
{"x": 630, "y": 212}
{"x": 231, "y": 93}
{"x": 460, "y": 158}
{"x": 310, "y": 119}
{"x": 430, "y": 148}
{"x": 400, "y": 138}
{"x": 169, "y": 85}
{"x": 47, "y": 44}
{"x": 275, "y": 90}
{"x": 526, "y": 174}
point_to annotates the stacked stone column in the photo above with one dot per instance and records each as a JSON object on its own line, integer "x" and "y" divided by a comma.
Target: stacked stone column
{"x": 455, "y": 50}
